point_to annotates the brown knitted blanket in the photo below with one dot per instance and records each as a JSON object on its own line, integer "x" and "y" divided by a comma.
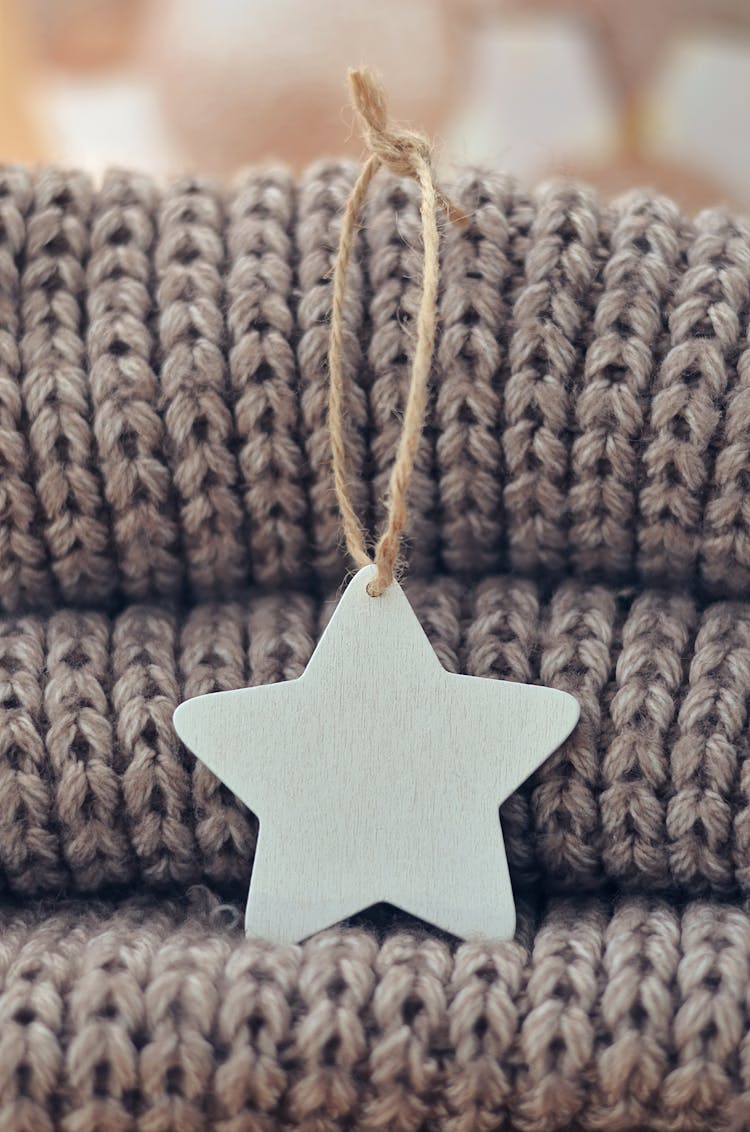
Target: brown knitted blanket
{"x": 651, "y": 791}
{"x": 163, "y": 386}
{"x": 581, "y": 517}
{"x": 162, "y": 1016}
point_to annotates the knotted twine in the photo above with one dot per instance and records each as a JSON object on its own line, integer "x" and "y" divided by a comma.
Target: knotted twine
{"x": 406, "y": 153}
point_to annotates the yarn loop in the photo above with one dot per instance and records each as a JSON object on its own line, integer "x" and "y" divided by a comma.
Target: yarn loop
{"x": 406, "y": 153}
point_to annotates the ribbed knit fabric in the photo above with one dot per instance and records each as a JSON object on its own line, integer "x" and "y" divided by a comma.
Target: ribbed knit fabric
{"x": 161, "y": 1016}
{"x": 163, "y": 385}
{"x": 581, "y": 518}
{"x": 651, "y": 792}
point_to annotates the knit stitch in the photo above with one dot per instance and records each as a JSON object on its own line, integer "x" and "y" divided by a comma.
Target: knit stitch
{"x": 580, "y": 518}
{"x": 163, "y": 1016}
{"x": 651, "y": 792}
{"x": 163, "y": 385}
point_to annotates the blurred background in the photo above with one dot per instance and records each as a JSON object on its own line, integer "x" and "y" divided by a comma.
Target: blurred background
{"x": 618, "y": 92}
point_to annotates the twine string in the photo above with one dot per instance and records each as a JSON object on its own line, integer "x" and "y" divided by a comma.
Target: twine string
{"x": 406, "y": 153}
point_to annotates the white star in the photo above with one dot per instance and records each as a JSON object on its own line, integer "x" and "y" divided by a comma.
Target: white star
{"x": 377, "y": 776}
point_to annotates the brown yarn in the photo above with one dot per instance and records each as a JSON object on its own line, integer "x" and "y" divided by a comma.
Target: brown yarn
{"x": 650, "y": 793}
{"x": 407, "y": 154}
{"x": 162, "y": 1015}
{"x": 557, "y": 317}
{"x": 163, "y": 436}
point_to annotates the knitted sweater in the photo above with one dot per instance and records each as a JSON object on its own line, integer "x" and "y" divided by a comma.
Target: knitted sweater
{"x": 161, "y": 1015}
{"x": 163, "y": 386}
{"x": 580, "y": 517}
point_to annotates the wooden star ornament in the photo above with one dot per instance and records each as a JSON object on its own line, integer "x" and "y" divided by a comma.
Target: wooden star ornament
{"x": 377, "y": 776}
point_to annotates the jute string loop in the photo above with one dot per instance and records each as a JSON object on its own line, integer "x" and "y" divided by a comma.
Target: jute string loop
{"x": 406, "y": 153}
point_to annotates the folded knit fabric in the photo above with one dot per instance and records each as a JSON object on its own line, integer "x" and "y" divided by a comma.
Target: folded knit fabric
{"x": 162, "y": 1016}
{"x": 163, "y": 385}
{"x": 651, "y": 792}
{"x": 581, "y": 518}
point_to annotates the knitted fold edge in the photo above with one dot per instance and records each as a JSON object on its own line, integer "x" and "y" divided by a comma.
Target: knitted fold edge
{"x": 163, "y": 385}
{"x": 651, "y": 792}
{"x": 158, "y": 1015}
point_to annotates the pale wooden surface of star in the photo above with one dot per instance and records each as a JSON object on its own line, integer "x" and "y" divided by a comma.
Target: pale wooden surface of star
{"x": 377, "y": 775}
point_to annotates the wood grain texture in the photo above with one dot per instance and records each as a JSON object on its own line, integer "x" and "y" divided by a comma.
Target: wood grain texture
{"x": 390, "y": 767}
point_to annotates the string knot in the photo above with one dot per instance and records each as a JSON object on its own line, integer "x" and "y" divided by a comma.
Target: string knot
{"x": 405, "y": 152}
{"x": 398, "y": 148}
